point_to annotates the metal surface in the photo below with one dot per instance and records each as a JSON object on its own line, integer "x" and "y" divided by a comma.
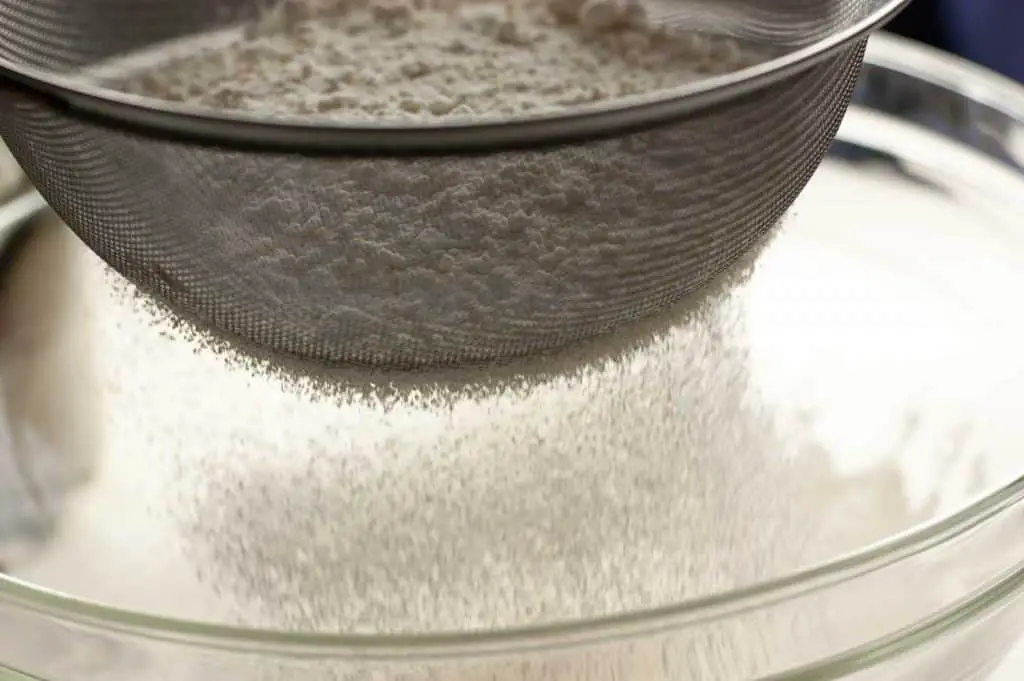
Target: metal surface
{"x": 807, "y": 31}
{"x": 874, "y": 341}
{"x": 149, "y": 186}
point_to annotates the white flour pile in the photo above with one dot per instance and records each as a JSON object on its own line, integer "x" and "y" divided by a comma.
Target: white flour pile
{"x": 374, "y": 59}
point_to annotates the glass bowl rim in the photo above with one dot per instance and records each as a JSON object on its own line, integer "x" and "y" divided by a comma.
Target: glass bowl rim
{"x": 972, "y": 83}
{"x": 461, "y": 644}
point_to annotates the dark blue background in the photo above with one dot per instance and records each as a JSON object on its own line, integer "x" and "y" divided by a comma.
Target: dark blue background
{"x": 990, "y": 32}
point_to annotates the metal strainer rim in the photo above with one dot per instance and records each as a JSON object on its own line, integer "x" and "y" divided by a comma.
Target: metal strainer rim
{"x": 310, "y": 135}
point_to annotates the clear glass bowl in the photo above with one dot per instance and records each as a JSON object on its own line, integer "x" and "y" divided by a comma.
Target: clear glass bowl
{"x": 923, "y": 188}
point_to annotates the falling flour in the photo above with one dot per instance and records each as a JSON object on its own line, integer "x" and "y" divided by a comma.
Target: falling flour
{"x": 401, "y": 58}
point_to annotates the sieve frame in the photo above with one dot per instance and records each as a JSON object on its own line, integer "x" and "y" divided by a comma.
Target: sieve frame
{"x": 759, "y": 132}
{"x": 295, "y": 134}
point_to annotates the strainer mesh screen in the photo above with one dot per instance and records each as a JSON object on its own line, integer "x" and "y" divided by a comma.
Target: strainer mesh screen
{"x": 663, "y": 210}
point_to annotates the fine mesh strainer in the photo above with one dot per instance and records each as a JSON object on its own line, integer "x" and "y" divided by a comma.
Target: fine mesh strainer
{"x": 227, "y": 217}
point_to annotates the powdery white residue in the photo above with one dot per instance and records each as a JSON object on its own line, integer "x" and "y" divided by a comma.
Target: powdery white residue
{"x": 404, "y": 59}
{"x": 589, "y": 484}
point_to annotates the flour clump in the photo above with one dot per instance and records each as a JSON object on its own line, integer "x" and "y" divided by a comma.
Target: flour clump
{"x": 414, "y": 59}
